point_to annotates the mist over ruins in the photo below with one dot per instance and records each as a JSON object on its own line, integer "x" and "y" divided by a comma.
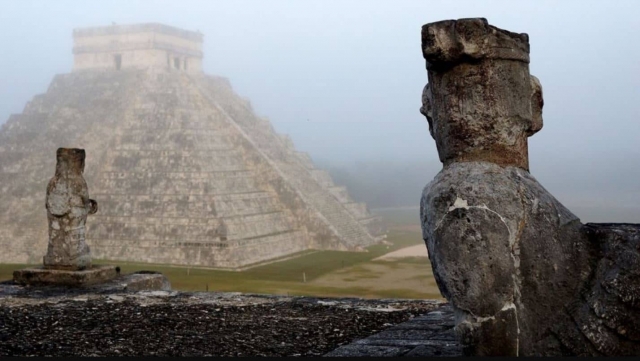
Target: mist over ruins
{"x": 148, "y": 209}
{"x": 185, "y": 171}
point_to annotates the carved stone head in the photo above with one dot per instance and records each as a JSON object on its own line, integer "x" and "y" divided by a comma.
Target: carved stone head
{"x": 481, "y": 102}
{"x": 70, "y": 161}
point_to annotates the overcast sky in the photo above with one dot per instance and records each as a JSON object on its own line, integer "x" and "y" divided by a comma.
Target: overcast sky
{"x": 344, "y": 78}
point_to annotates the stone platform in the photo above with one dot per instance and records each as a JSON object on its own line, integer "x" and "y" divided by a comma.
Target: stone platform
{"x": 139, "y": 281}
{"x": 423, "y": 336}
{"x": 40, "y": 276}
{"x": 41, "y": 322}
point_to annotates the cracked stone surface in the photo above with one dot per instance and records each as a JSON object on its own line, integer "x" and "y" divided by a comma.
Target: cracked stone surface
{"x": 68, "y": 205}
{"x": 523, "y": 274}
{"x": 427, "y": 335}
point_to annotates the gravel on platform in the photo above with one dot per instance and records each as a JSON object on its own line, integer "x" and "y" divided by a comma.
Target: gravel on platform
{"x": 191, "y": 324}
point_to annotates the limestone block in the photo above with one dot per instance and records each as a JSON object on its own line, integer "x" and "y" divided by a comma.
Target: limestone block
{"x": 60, "y": 277}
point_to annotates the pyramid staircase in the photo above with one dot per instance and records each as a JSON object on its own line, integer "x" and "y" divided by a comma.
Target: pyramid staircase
{"x": 183, "y": 171}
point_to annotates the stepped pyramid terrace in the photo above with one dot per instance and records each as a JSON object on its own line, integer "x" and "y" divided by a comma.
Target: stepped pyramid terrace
{"x": 183, "y": 170}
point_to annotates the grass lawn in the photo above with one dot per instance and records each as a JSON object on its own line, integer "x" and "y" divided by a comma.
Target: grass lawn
{"x": 322, "y": 273}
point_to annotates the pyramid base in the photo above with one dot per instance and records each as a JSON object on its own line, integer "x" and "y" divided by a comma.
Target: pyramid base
{"x": 55, "y": 277}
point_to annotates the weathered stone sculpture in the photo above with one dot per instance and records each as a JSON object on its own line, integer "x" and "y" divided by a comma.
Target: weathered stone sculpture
{"x": 523, "y": 274}
{"x": 68, "y": 259}
{"x": 68, "y": 205}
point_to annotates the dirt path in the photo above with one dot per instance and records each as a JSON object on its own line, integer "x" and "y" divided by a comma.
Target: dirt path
{"x": 419, "y": 250}
{"x": 392, "y": 276}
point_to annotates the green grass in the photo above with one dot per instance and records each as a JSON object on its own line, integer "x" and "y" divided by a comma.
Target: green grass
{"x": 285, "y": 277}
{"x": 6, "y": 270}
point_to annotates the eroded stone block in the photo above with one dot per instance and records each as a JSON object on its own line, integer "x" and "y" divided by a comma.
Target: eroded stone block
{"x": 73, "y": 278}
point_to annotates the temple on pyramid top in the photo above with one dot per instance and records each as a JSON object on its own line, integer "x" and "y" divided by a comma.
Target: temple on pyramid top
{"x": 183, "y": 169}
{"x": 139, "y": 46}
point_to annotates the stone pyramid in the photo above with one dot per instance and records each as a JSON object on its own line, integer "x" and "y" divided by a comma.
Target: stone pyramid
{"x": 183, "y": 170}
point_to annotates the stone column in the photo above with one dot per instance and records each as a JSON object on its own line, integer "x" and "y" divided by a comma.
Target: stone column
{"x": 68, "y": 205}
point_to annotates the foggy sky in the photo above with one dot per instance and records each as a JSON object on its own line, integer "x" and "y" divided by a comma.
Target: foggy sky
{"x": 344, "y": 78}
